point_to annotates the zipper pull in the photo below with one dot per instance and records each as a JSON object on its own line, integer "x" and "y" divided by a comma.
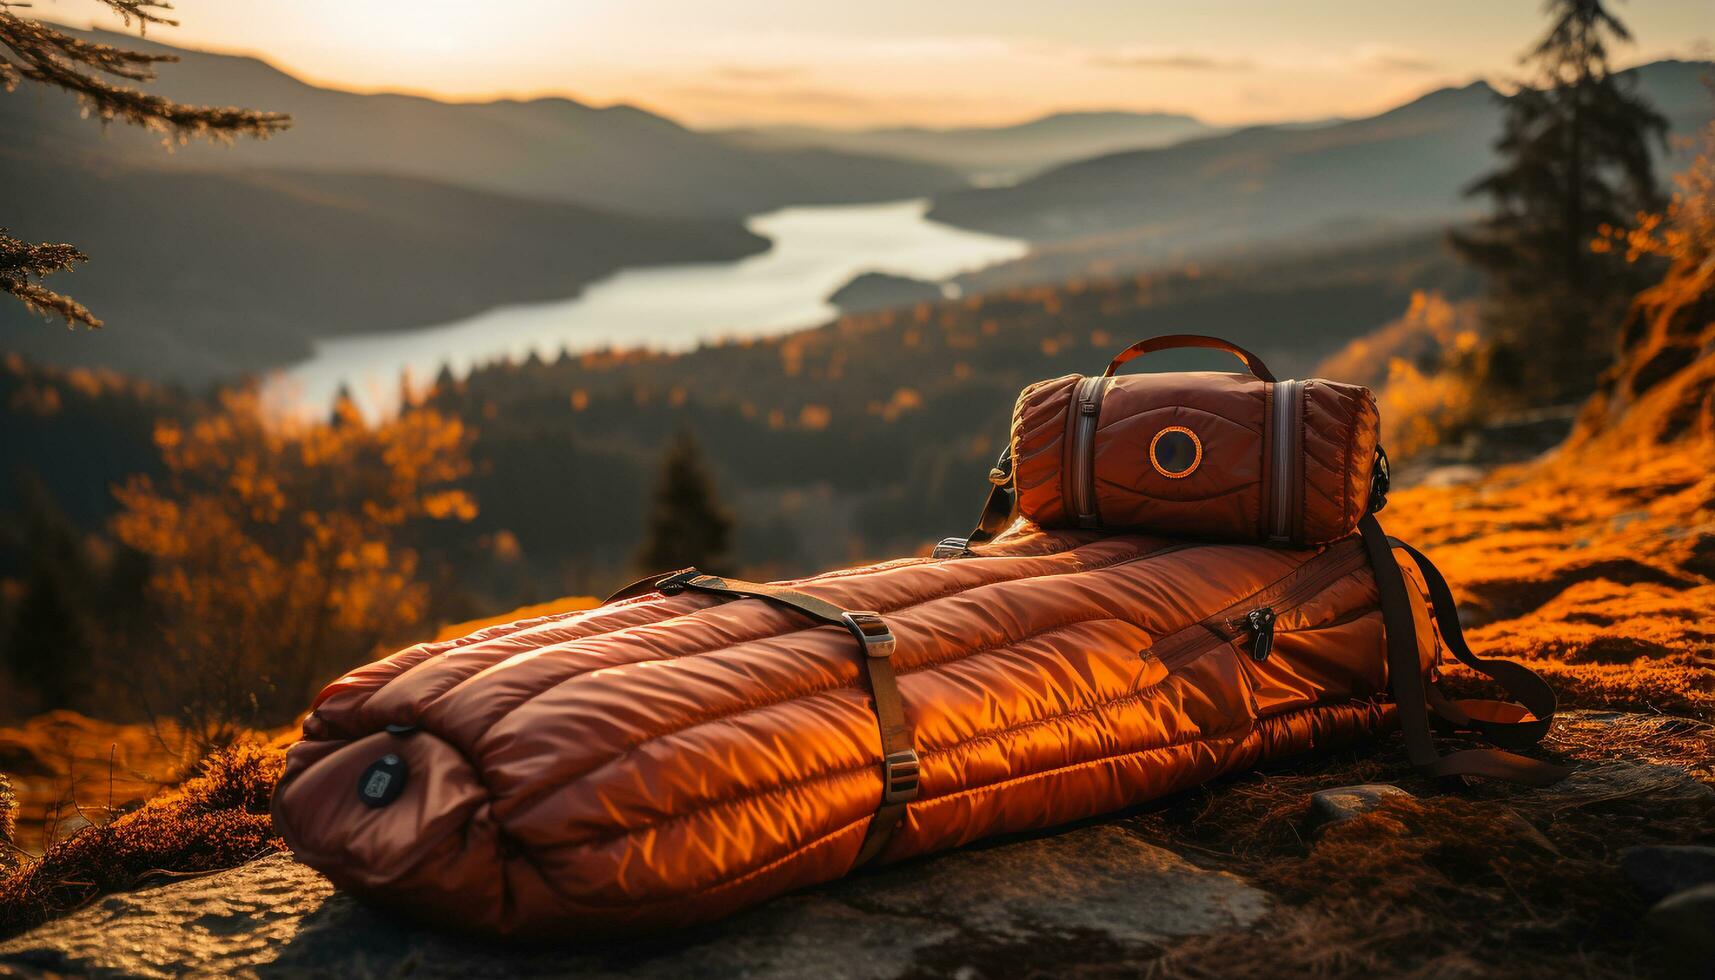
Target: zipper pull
{"x": 1087, "y": 407}
{"x": 1261, "y": 622}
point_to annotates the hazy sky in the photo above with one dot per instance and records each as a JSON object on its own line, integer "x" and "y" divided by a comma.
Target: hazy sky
{"x": 864, "y": 62}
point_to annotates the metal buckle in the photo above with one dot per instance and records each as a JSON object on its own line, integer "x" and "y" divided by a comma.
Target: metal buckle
{"x": 676, "y": 582}
{"x": 871, "y": 631}
{"x": 899, "y": 773}
{"x": 1381, "y": 481}
{"x": 951, "y": 548}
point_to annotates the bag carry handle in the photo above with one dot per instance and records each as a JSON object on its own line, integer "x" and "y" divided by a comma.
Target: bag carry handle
{"x": 1176, "y": 340}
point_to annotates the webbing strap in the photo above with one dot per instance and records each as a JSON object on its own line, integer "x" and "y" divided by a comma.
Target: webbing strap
{"x": 1002, "y": 502}
{"x": 900, "y": 767}
{"x": 1502, "y": 723}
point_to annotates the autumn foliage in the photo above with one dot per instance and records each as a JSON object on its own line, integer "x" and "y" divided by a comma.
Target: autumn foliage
{"x": 276, "y": 552}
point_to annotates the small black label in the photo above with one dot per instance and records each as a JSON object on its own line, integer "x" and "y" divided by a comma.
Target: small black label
{"x": 383, "y": 781}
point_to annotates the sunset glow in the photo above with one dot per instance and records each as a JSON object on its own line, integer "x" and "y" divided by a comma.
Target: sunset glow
{"x": 890, "y": 61}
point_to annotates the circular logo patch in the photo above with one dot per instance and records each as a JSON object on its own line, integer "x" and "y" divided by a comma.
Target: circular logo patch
{"x": 1175, "y": 452}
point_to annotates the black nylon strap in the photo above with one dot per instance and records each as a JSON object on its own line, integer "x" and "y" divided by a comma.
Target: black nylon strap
{"x": 1413, "y": 698}
{"x": 900, "y": 767}
{"x": 1002, "y": 502}
{"x": 643, "y": 586}
{"x": 1525, "y": 685}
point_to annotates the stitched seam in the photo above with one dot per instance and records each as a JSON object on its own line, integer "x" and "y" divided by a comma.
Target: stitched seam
{"x": 1031, "y": 431}
{"x": 733, "y": 880}
{"x": 1346, "y": 482}
{"x": 741, "y": 876}
{"x": 992, "y": 735}
{"x": 920, "y": 601}
{"x": 556, "y": 618}
{"x": 524, "y": 799}
{"x": 1127, "y": 419}
{"x": 1131, "y": 490}
{"x": 725, "y": 803}
{"x": 815, "y": 692}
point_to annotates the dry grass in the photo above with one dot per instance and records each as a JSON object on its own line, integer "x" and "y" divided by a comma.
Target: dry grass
{"x": 215, "y": 820}
{"x": 1497, "y": 881}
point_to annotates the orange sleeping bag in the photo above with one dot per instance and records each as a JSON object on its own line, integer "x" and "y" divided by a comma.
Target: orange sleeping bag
{"x": 672, "y": 758}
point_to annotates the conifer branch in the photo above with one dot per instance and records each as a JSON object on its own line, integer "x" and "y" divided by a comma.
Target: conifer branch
{"x": 22, "y": 264}
{"x": 33, "y": 51}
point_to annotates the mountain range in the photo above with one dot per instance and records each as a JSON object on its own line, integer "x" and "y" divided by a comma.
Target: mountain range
{"x": 614, "y": 158}
{"x": 1406, "y": 167}
{"x": 995, "y": 154}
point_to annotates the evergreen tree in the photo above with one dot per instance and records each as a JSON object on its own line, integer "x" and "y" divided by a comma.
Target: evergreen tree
{"x": 8, "y": 825}
{"x": 687, "y": 525}
{"x": 33, "y": 51}
{"x": 1576, "y": 159}
{"x": 46, "y": 647}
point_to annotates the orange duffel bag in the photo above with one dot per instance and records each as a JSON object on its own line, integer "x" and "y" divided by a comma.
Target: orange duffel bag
{"x": 698, "y": 744}
{"x": 1191, "y": 453}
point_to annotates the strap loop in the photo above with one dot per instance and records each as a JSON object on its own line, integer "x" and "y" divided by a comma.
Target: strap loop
{"x": 1001, "y": 505}
{"x": 1414, "y": 699}
{"x": 900, "y": 766}
{"x": 899, "y": 772}
{"x": 871, "y": 632}
{"x": 952, "y": 548}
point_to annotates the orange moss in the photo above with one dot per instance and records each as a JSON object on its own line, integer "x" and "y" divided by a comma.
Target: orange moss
{"x": 1595, "y": 564}
{"x": 214, "y": 821}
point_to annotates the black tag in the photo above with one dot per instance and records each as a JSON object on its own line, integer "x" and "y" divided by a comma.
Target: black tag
{"x": 382, "y": 782}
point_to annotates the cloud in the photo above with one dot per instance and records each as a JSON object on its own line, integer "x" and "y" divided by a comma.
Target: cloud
{"x": 748, "y": 73}
{"x": 812, "y": 97}
{"x": 1174, "y": 60}
{"x": 1375, "y": 57}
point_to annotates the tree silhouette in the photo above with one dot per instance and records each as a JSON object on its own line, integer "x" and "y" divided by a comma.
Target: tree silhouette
{"x": 31, "y": 51}
{"x": 687, "y": 525}
{"x": 1576, "y": 159}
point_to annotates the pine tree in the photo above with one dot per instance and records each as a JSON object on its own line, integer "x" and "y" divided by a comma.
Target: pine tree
{"x": 32, "y": 51}
{"x": 8, "y": 825}
{"x": 687, "y": 525}
{"x": 1576, "y": 159}
{"x": 46, "y": 647}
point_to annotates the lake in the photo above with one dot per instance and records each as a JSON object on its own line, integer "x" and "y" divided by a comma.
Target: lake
{"x": 815, "y": 251}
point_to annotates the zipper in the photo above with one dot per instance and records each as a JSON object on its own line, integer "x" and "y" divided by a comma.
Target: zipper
{"x": 1288, "y": 412}
{"x": 1084, "y": 412}
{"x": 1258, "y": 614}
{"x": 1260, "y": 621}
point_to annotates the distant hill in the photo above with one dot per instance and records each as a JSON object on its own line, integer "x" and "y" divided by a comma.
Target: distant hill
{"x": 617, "y": 158}
{"x": 206, "y": 275}
{"x": 1404, "y": 167}
{"x": 995, "y": 153}
{"x": 870, "y": 291}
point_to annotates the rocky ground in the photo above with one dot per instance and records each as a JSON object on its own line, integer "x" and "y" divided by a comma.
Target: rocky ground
{"x": 1199, "y": 886}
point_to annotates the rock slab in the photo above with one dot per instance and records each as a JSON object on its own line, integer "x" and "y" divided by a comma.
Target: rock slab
{"x": 1659, "y": 871}
{"x": 1332, "y": 806}
{"x": 1098, "y": 886}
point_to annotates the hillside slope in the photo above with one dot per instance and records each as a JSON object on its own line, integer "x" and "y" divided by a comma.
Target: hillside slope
{"x": 997, "y": 151}
{"x": 207, "y": 275}
{"x": 1403, "y": 167}
{"x": 618, "y": 158}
